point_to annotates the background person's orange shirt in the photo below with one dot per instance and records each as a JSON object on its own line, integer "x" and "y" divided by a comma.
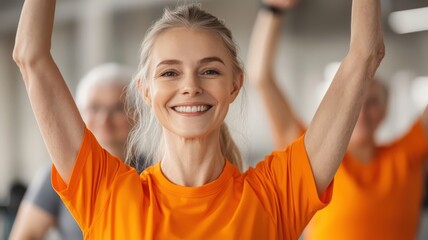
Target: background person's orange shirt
{"x": 274, "y": 200}
{"x": 381, "y": 199}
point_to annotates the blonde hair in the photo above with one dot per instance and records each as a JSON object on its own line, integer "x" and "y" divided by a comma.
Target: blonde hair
{"x": 146, "y": 134}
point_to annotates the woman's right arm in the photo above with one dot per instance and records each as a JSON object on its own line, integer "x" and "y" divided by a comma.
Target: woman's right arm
{"x": 285, "y": 124}
{"x": 56, "y": 113}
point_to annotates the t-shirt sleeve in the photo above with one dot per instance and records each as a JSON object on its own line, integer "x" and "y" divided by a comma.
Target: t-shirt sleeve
{"x": 286, "y": 186}
{"x": 414, "y": 143}
{"x": 41, "y": 194}
{"x": 91, "y": 181}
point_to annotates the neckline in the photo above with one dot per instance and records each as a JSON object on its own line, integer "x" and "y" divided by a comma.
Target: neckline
{"x": 193, "y": 192}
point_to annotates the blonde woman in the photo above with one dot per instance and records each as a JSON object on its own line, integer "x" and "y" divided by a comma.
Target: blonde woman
{"x": 188, "y": 76}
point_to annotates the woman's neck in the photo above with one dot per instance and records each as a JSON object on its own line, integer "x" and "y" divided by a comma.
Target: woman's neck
{"x": 192, "y": 162}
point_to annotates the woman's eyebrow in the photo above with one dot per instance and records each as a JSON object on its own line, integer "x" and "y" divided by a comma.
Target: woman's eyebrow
{"x": 211, "y": 59}
{"x": 169, "y": 62}
{"x": 202, "y": 61}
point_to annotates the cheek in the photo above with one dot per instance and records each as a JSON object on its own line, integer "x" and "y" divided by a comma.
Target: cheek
{"x": 159, "y": 91}
{"x": 222, "y": 91}
{"x": 159, "y": 101}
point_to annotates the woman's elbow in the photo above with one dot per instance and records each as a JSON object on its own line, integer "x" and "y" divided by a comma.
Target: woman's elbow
{"x": 376, "y": 58}
{"x": 26, "y": 57}
{"x": 17, "y": 55}
{"x": 378, "y": 52}
{"x": 371, "y": 57}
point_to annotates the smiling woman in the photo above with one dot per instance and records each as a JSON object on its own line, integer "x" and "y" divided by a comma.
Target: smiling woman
{"x": 176, "y": 79}
{"x": 188, "y": 76}
{"x": 197, "y": 81}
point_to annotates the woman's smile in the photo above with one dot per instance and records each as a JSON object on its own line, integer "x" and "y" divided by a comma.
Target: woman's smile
{"x": 192, "y": 109}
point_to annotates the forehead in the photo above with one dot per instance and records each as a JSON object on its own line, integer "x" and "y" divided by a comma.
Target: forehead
{"x": 186, "y": 44}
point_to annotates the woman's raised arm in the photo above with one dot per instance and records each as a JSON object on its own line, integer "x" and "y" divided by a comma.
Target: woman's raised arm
{"x": 56, "y": 113}
{"x": 328, "y": 134}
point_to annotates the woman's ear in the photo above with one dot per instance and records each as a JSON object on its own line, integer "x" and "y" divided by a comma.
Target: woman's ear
{"x": 237, "y": 85}
{"x": 145, "y": 92}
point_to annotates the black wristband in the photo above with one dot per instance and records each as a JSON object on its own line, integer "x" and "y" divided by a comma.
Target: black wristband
{"x": 275, "y": 10}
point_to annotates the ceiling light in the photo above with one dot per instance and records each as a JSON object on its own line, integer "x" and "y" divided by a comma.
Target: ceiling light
{"x": 408, "y": 21}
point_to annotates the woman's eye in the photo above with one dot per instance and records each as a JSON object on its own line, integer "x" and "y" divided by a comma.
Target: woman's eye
{"x": 169, "y": 74}
{"x": 210, "y": 72}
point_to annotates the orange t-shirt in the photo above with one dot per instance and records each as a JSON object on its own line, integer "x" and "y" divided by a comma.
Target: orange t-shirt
{"x": 380, "y": 199}
{"x": 109, "y": 200}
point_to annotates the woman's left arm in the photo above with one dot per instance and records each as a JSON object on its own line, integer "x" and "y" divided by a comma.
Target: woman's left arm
{"x": 328, "y": 134}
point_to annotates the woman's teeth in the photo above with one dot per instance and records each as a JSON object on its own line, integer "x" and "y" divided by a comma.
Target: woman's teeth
{"x": 191, "y": 109}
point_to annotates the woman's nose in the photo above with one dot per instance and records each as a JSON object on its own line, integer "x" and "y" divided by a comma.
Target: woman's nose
{"x": 192, "y": 86}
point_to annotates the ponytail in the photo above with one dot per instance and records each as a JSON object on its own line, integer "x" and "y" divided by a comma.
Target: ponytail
{"x": 229, "y": 148}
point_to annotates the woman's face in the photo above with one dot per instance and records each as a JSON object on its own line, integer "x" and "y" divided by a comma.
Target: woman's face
{"x": 105, "y": 116}
{"x": 191, "y": 82}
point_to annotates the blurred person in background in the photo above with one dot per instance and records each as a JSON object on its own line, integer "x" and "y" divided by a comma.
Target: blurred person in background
{"x": 378, "y": 189}
{"x": 100, "y": 98}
